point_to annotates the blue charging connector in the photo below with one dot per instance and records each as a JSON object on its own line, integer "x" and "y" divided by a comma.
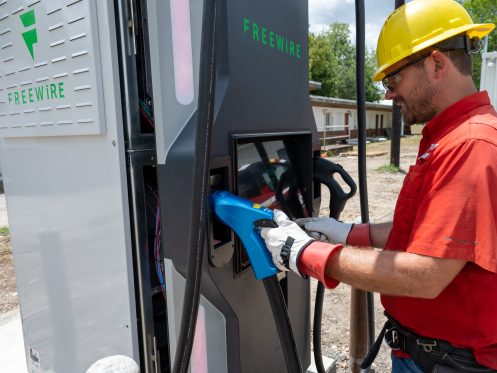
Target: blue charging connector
{"x": 245, "y": 218}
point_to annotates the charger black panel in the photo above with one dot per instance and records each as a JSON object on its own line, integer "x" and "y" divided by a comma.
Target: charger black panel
{"x": 262, "y": 103}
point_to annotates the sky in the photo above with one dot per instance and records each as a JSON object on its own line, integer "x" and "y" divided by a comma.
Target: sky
{"x": 324, "y": 12}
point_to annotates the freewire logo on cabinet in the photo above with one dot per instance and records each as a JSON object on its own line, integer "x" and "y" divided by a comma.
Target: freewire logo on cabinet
{"x": 38, "y": 92}
{"x": 50, "y": 68}
{"x": 30, "y": 37}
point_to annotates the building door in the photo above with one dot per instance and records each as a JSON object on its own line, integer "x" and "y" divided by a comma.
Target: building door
{"x": 327, "y": 123}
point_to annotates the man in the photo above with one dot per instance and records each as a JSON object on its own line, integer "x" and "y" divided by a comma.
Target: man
{"x": 438, "y": 271}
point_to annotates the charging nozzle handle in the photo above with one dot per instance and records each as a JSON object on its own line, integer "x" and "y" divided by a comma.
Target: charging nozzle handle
{"x": 324, "y": 171}
{"x": 245, "y": 218}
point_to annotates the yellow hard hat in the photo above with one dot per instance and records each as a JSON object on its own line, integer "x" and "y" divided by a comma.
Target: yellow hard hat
{"x": 420, "y": 24}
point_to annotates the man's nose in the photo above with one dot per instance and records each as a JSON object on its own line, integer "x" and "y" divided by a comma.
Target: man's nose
{"x": 390, "y": 95}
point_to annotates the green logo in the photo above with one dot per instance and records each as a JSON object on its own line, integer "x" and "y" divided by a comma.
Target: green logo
{"x": 30, "y": 37}
{"x": 263, "y": 35}
{"x": 37, "y": 93}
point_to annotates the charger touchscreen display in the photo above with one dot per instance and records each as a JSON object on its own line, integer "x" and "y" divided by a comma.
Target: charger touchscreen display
{"x": 269, "y": 173}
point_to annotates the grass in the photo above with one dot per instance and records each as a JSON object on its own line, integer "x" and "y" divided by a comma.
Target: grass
{"x": 406, "y": 141}
{"x": 5, "y": 247}
{"x": 4, "y": 231}
{"x": 389, "y": 168}
{"x": 408, "y": 144}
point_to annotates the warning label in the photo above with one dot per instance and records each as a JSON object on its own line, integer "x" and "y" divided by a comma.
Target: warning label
{"x": 34, "y": 360}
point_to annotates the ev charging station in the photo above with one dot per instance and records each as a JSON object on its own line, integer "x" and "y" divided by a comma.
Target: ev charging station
{"x": 99, "y": 116}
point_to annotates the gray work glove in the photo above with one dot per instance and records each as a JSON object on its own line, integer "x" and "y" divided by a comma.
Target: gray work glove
{"x": 285, "y": 242}
{"x": 326, "y": 229}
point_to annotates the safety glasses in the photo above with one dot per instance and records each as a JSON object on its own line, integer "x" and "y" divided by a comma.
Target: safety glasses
{"x": 392, "y": 80}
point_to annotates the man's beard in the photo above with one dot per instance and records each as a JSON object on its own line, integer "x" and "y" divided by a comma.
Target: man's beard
{"x": 420, "y": 108}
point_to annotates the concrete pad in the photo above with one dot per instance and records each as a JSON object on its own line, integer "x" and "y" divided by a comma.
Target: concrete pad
{"x": 12, "y": 358}
{"x": 4, "y": 221}
{"x": 328, "y": 364}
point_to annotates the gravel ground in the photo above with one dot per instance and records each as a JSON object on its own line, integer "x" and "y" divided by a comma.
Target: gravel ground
{"x": 8, "y": 292}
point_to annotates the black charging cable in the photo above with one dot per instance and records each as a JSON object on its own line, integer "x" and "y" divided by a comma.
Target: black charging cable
{"x": 283, "y": 325}
{"x": 324, "y": 172}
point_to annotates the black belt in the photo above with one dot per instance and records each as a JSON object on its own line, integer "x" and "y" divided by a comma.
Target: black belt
{"x": 432, "y": 355}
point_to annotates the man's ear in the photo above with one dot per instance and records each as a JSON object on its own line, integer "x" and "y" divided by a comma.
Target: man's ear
{"x": 439, "y": 61}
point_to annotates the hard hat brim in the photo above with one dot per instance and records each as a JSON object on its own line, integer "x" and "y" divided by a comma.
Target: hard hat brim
{"x": 472, "y": 30}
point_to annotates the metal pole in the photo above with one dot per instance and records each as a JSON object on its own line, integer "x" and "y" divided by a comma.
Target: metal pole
{"x": 396, "y": 122}
{"x": 395, "y": 141}
{"x": 362, "y": 307}
{"x": 326, "y": 116}
{"x": 358, "y": 329}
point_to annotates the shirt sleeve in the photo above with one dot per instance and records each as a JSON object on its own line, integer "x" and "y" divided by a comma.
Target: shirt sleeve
{"x": 457, "y": 210}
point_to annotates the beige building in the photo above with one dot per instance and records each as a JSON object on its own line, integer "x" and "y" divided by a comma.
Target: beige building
{"x": 336, "y": 118}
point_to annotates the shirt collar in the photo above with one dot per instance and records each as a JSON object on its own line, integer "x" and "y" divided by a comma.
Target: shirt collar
{"x": 454, "y": 114}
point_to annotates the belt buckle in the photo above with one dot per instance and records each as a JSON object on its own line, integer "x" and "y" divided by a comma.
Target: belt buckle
{"x": 393, "y": 343}
{"x": 427, "y": 346}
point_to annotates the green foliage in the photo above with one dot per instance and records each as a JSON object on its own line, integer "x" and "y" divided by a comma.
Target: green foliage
{"x": 373, "y": 91}
{"x": 4, "y": 231}
{"x": 332, "y": 63}
{"x": 482, "y": 11}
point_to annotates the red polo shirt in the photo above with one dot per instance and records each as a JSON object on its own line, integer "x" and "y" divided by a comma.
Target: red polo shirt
{"x": 447, "y": 208}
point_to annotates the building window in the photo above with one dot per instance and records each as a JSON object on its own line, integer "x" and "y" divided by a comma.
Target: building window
{"x": 327, "y": 120}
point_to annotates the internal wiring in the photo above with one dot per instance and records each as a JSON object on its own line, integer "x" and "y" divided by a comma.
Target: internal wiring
{"x": 157, "y": 251}
{"x": 146, "y": 113}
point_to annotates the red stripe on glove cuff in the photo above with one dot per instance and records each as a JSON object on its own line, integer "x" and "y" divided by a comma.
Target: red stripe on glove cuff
{"x": 313, "y": 260}
{"x": 359, "y": 236}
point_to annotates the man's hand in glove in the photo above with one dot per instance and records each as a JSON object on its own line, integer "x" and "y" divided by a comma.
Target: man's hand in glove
{"x": 292, "y": 249}
{"x": 336, "y": 231}
{"x": 285, "y": 242}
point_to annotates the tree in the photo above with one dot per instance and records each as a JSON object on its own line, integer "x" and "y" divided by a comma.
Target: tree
{"x": 373, "y": 91}
{"x": 332, "y": 62}
{"x": 482, "y": 11}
